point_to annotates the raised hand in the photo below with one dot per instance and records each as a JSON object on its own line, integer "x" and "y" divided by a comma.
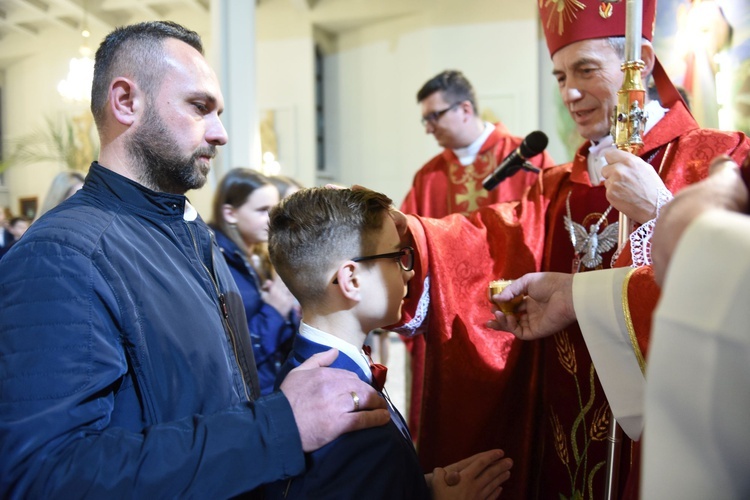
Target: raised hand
{"x": 632, "y": 185}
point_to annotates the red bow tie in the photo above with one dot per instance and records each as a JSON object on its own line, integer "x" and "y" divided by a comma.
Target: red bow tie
{"x": 379, "y": 371}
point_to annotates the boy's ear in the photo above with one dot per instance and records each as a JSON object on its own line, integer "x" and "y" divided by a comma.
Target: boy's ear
{"x": 348, "y": 281}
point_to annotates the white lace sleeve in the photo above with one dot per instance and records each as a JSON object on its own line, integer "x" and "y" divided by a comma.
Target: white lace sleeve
{"x": 640, "y": 239}
{"x": 411, "y": 328}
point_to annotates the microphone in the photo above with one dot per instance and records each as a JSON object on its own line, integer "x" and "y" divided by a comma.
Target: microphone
{"x": 532, "y": 145}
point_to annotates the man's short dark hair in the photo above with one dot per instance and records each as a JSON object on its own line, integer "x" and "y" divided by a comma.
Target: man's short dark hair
{"x": 454, "y": 86}
{"x": 313, "y": 229}
{"x": 135, "y": 51}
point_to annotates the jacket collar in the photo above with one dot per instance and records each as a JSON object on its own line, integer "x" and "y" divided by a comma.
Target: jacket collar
{"x": 101, "y": 180}
{"x": 305, "y": 348}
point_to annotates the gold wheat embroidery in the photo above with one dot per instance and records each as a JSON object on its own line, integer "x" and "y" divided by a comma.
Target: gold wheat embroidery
{"x": 565, "y": 352}
{"x": 582, "y": 434}
{"x": 598, "y": 430}
{"x": 560, "y": 446}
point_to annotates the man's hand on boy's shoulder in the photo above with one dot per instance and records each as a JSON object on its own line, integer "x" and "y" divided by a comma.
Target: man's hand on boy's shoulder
{"x": 328, "y": 402}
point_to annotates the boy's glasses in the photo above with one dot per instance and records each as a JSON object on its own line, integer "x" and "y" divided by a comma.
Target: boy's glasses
{"x": 405, "y": 258}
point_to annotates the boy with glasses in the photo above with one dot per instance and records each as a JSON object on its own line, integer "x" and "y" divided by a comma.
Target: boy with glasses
{"x": 340, "y": 253}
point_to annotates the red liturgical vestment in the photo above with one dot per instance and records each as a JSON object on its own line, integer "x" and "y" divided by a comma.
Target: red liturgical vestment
{"x": 442, "y": 187}
{"x": 539, "y": 401}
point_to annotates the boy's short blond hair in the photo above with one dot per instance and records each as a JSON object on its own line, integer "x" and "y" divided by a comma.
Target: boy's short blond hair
{"x": 314, "y": 229}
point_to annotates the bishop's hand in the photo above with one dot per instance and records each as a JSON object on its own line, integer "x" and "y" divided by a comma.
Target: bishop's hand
{"x": 632, "y": 185}
{"x": 547, "y": 306}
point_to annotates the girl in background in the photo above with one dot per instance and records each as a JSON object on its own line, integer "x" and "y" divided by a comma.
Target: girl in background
{"x": 240, "y": 218}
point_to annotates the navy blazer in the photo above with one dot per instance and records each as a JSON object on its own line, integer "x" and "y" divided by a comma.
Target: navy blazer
{"x": 376, "y": 463}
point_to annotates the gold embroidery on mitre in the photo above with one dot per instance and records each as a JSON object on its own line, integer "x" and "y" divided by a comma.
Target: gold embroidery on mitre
{"x": 565, "y": 10}
{"x": 605, "y": 10}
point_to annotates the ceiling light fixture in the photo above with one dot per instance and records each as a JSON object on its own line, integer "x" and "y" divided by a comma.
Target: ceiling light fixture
{"x": 77, "y": 85}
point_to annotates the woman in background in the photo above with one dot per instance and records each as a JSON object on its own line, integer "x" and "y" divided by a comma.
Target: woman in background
{"x": 240, "y": 218}
{"x": 63, "y": 186}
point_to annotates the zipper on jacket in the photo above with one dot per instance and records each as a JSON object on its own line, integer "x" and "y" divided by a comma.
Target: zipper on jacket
{"x": 224, "y": 308}
{"x": 222, "y": 301}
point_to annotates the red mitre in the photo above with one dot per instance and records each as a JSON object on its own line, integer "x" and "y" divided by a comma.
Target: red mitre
{"x": 568, "y": 21}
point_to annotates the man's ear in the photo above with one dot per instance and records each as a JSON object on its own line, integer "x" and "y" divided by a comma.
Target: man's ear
{"x": 229, "y": 213}
{"x": 347, "y": 279}
{"x": 648, "y": 57}
{"x": 125, "y": 100}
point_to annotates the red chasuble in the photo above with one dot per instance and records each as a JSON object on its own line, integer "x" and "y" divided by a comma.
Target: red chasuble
{"x": 442, "y": 187}
{"x": 539, "y": 401}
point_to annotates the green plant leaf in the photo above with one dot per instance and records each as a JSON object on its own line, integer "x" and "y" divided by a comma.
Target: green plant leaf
{"x": 69, "y": 142}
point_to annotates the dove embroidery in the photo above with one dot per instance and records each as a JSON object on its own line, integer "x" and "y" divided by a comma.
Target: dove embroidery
{"x": 590, "y": 245}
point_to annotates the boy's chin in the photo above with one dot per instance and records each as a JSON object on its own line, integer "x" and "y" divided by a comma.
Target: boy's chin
{"x": 394, "y": 318}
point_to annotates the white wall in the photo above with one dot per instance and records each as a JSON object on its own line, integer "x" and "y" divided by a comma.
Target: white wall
{"x": 374, "y": 135}
{"x": 286, "y": 86}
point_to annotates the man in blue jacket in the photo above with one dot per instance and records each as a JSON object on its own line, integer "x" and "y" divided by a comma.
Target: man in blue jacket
{"x": 125, "y": 363}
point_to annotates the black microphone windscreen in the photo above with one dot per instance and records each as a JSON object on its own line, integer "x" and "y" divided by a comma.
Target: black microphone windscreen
{"x": 533, "y": 144}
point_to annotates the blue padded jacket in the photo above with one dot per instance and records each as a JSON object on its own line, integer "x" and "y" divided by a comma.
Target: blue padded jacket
{"x": 126, "y": 368}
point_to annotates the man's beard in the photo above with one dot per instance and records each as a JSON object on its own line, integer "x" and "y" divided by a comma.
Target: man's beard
{"x": 160, "y": 166}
